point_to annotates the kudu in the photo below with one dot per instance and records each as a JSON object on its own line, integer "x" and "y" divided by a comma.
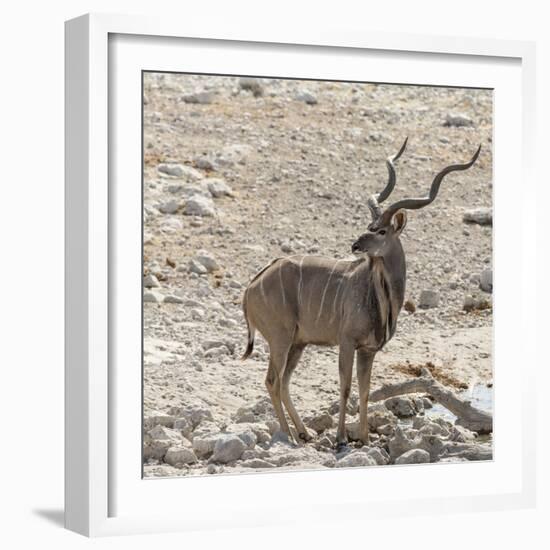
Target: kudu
{"x": 299, "y": 300}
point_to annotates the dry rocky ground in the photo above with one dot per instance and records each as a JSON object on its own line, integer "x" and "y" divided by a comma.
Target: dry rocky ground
{"x": 240, "y": 171}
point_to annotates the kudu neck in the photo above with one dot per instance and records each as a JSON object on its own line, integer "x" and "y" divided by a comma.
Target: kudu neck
{"x": 394, "y": 266}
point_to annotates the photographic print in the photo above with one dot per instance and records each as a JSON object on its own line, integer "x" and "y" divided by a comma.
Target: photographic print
{"x": 317, "y": 274}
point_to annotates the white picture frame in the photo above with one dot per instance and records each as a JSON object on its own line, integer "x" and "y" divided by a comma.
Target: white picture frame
{"x": 104, "y": 495}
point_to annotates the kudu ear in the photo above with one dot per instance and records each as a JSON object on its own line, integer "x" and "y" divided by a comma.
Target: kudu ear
{"x": 399, "y": 221}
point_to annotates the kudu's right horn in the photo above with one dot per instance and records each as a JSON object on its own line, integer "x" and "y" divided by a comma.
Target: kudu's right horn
{"x": 414, "y": 204}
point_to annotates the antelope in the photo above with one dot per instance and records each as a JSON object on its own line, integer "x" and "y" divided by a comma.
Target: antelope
{"x": 299, "y": 300}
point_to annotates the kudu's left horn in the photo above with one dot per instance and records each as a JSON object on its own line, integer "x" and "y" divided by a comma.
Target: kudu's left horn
{"x": 374, "y": 201}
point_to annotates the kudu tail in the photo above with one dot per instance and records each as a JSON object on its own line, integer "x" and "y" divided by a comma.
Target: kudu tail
{"x": 251, "y": 333}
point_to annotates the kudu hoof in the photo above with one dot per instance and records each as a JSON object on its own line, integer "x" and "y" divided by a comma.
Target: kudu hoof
{"x": 341, "y": 446}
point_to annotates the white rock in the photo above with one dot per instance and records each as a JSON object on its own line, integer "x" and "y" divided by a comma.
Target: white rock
{"x": 320, "y": 422}
{"x": 401, "y": 405}
{"x": 158, "y": 440}
{"x": 204, "y": 163}
{"x": 200, "y": 98}
{"x": 486, "y": 280}
{"x": 378, "y": 417}
{"x": 169, "y": 207}
{"x": 272, "y": 425}
{"x": 414, "y": 456}
{"x": 458, "y": 120}
{"x": 472, "y": 303}
{"x": 257, "y": 463}
{"x": 254, "y": 248}
{"x": 213, "y": 343}
{"x": 171, "y": 224}
{"x": 306, "y": 97}
{"x": 180, "y": 171}
{"x": 196, "y": 415}
{"x": 286, "y": 247}
{"x": 248, "y": 437}
{"x": 352, "y": 407}
{"x": 284, "y": 455}
{"x": 196, "y": 267}
{"x": 184, "y": 426}
{"x": 259, "y": 430}
{"x": 481, "y": 216}
{"x": 232, "y": 154}
{"x": 428, "y": 299}
{"x": 180, "y": 455}
{"x": 253, "y": 85}
{"x": 218, "y": 188}
{"x": 217, "y": 352}
{"x": 409, "y": 439}
{"x": 461, "y": 434}
{"x": 188, "y": 190}
{"x": 192, "y": 303}
{"x": 207, "y": 260}
{"x": 150, "y": 281}
{"x": 356, "y": 458}
{"x": 175, "y": 170}
{"x": 433, "y": 428}
{"x": 380, "y": 456}
{"x": 204, "y": 445}
{"x": 280, "y": 437}
{"x": 154, "y": 449}
{"x": 163, "y": 433}
{"x": 172, "y": 299}
{"x": 198, "y": 205}
{"x": 156, "y": 418}
{"x": 228, "y": 448}
{"x": 153, "y": 296}
{"x": 197, "y": 313}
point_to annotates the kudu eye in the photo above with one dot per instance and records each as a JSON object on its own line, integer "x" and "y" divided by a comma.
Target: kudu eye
{"x": 382, "y": 232}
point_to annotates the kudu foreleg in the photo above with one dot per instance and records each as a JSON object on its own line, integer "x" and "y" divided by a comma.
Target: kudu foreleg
{"x": 365, "y": 360}
{"x": 345, "y": 369}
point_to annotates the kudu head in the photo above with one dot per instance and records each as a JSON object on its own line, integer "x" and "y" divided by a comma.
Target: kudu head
{"x": 386, "y": 226}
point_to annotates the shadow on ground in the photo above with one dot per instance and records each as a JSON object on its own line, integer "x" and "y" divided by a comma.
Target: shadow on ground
{"x": 57, "y": 517}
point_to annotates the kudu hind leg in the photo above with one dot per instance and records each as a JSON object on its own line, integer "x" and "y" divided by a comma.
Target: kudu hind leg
{"x": 345, "y": 369}
{"x": 273, "y": 382}
{"x": 293, "y": 357}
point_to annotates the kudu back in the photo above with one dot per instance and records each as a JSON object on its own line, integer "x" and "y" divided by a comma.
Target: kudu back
{"x": 299, "y": 300}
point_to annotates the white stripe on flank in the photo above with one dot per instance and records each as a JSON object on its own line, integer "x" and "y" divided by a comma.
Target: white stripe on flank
{"x": 281, "y": 283}
{"x": 334, "y": 301}
{"x": 262, "y": 289}
{"x": 300, "y": 283}
{"x": 336, "y": 294}
{"x": 325, "y": 290}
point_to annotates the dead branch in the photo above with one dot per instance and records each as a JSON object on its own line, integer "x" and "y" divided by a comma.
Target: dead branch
{"x": 467, "y": 415}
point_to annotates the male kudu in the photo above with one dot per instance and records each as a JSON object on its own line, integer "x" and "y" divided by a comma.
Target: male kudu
{"x": 299, "y": 300}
